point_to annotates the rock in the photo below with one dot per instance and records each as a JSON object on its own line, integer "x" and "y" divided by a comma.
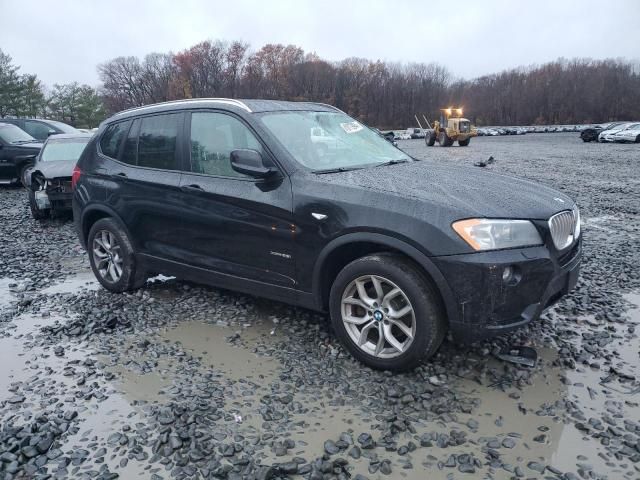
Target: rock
{"x": 331, "y": 448}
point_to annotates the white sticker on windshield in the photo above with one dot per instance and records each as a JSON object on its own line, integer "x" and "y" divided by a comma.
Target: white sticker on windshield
{"x": 351, "y": 127}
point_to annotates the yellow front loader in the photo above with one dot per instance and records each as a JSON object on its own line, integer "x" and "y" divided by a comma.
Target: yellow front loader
{"x": 451, "y": 127}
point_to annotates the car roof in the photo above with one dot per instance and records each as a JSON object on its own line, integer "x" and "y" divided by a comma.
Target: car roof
{"x": 248, "y": 106}
{"x": 68, "y": 136}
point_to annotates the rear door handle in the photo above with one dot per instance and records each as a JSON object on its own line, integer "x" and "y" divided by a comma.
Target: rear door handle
{"x": 192, "y": 188}
{"x": 121, "y": 174}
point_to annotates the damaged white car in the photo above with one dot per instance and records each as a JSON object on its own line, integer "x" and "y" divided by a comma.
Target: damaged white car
{"x": 48, "y": 182}
{"x": 631, "y": 134}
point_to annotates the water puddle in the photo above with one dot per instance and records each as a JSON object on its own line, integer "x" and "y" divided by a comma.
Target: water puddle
{"x": 209, "y": 343}
{"x": 16, "y": 356}
{"x": 99, "y": 422}
{"x": 74, "y": 284}
{"x": 141, "y": 388}
{"x": 6, "y": 295}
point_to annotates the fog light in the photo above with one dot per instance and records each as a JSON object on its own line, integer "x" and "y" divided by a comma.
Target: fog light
{"x": 507, "y": 275}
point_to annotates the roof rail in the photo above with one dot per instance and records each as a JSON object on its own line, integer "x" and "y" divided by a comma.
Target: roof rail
{"x": 228, "y": 101}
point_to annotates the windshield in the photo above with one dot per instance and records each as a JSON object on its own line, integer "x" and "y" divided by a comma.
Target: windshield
{"x": 330, "y": 140}
{"x": 63, "y": 127}
{"x": 58, "y": 151}
{"x": 13, "y": 134}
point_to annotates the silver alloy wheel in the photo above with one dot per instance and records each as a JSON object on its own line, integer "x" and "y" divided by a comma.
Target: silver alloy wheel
{"x": 107, "y": 256}
{"x": 378, "y": 316}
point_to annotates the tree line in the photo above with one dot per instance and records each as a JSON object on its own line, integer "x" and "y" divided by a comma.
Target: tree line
{"x": 24, "y": 95}
{"x": 383, "y": 94}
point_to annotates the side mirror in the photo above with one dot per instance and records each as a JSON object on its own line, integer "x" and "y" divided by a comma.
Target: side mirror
{"x": 250, "y": 162}
{"x": 51, "y": 132}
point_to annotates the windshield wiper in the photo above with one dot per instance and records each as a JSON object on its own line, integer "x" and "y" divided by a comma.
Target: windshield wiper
{"x": 336, "y": 170}
{"x": 20, "y": 142}
{"x": 391, "y": 162}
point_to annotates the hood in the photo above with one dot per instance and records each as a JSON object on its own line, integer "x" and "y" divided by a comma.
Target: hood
{"x": 63, "y": 168}
{"x": 466, "y": 191}
{"x": 612, "y": 131}
{"x": 28, "y": 147}
{"x": 628, "y": 131}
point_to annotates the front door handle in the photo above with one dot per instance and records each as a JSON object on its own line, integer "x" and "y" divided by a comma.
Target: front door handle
{"x": 192, "y": 188}
{"x": 121, "y": 174}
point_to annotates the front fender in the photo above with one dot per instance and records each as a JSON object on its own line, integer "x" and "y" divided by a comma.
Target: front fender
{"x": 410, "y": 251}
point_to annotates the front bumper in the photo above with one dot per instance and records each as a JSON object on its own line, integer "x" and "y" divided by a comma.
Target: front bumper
{"x": 60, "y": 194}
{"x": 487, "y": 306}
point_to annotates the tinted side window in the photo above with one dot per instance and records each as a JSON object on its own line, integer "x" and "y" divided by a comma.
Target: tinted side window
{"x": 213, "y": 137}
{"x": 130, "y": 150}
{"x": 157, "y": 141}
{"x": 112, "y": 138}
{"x": 36, "y": 129}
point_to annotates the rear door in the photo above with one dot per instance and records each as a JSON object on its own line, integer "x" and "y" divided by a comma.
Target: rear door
{"x": 7, "y": 168}
{"x": 234, "y": 224}
{"x": 145, "y": 188}
{"x": 37, "y": 129}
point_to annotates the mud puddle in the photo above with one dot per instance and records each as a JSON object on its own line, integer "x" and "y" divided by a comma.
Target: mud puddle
{"x": 101, "y": 420}
{"x": 6, "y": 295}
{"x": 209, "y": 343}
{"x": 85, "y": 280}
{"x": 16, "y": 357}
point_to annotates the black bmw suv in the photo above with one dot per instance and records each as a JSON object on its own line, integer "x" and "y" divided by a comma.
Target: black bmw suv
{"x": 247, "y": 195}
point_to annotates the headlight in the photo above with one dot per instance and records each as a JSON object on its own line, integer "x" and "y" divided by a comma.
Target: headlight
{"x": 576, "y": 216}
{"x": 489, "y": 234}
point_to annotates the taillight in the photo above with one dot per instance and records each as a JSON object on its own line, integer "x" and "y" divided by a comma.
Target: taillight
{"x": 75, "y": 176}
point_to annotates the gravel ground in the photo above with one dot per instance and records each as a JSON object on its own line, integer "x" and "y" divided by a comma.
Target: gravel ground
{"x": 178, "y": 380}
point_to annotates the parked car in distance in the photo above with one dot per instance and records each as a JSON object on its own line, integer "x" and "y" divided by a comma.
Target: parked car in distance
{"x": 232, "y": 193}
{"x": 415, "y": 133}
{"x": 590, "y": 134}
{"x": 40, "y": 128}
{"x": 48, "y": 181}
{"x": 388, "y": 136}
{"x": 18, "y": 150}
{"x": 606, "y": 136}
{"x": 631, "y": 134}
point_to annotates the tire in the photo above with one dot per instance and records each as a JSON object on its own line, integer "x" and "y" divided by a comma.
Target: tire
{"x": 21, "y": 171}
{"x": 638, "y": 139}
{"x": 115, "y": 248}
{"x": 430, "y": 139}
{"x": 464, "y": 143}
{"x": 36, "y": 212}
{"x": 586, "y": 140}
{"x": 425, "y": 320}
{"x": 444, "y": 140}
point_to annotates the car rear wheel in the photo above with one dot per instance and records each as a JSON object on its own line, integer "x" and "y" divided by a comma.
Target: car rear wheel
{"x": 638, "y": 139}
{"x": 112, "y": 257}
{"x": 36, "y": 212}
{"x": 386, "y": 313}
{"x": 464, "y": 143}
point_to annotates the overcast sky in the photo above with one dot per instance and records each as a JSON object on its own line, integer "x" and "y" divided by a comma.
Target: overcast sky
{"x": 63, "y": 41}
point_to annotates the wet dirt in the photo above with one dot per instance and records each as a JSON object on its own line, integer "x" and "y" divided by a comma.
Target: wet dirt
{"x": 84, "y": 280}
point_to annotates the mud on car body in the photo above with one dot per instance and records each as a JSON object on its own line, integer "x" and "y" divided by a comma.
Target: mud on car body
{"x": 48, "y": 181}
{"x": 236, "y": 194}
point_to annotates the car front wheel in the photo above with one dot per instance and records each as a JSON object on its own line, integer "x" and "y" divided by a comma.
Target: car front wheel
{"x": 386, "y": 313}
{"x": 36, "y": 212}
{"x": 112, "y": 257}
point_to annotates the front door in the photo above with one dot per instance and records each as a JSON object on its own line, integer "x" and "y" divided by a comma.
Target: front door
{"x": 234, "y": 224}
